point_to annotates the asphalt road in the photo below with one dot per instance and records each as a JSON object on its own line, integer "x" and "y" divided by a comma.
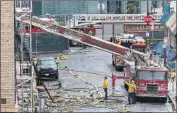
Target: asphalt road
{"x": 85, "y": 63}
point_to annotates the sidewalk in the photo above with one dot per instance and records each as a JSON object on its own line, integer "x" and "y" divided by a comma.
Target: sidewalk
{"x": 172, "y": 92}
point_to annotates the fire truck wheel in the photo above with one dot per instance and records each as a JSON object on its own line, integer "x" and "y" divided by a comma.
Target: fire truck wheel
{"x": 138, "y": 99}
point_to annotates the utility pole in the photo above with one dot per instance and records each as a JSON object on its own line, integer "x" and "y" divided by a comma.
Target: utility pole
{"x": 0, "y": 54}
{"x": 30, "y": 52}
{"x": 147, "y": 7}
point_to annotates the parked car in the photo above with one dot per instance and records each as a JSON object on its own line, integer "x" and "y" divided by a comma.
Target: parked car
{"x": 46, "y": 67}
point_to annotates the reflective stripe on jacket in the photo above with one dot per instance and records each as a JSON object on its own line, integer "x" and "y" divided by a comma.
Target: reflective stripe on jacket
{"x": 105, "y": 84}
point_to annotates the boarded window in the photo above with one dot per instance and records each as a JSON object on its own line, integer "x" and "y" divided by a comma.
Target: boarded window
{"x": 3, "y": 101}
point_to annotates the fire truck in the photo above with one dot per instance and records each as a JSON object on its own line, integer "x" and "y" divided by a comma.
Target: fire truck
{"x": 130, "y": 41}
{"x": 151, "y": 77}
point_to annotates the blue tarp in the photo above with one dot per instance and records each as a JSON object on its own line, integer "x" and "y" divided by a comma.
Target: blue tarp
{"x": 160, "y": 51}
{"x": 159, "y": 44}
{"x": 171, "y": 54}
{"x": 159, "y": 48}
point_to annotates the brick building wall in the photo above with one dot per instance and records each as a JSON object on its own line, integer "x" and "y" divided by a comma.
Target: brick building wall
{"x": 7, "y": 57}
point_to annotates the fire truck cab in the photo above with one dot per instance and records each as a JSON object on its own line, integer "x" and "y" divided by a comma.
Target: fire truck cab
{"x": 127, "y": 40}
{"x": 151, "y": 81}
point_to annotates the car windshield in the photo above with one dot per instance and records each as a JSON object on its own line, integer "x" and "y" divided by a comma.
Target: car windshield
{"x": 145, "y": 75}
{"x": 49, "y": 62}
{"x": 160, "y": 76}
{"x": 140, "y": 49}
{"x": 125, "y": 44}
{"x": 149, "y": 75}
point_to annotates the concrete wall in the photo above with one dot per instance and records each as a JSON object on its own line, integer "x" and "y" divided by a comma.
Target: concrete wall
{"x": 7, "y": 56}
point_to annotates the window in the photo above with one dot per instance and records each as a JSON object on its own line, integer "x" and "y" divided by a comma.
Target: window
{"x": 160, "y": 76}
{"x": 108, "y": 6}
{"x": 46, "y": 62}
{"x": 145, "y": 75}
{"x": 3, "y": 101}
{"x": 140, "y": 49}
{"x": 154, "y": 4}
{"x": 26, "y": 28}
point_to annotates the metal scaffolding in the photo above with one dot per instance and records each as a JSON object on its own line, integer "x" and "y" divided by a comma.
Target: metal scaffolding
{"x": 24, "y": 67}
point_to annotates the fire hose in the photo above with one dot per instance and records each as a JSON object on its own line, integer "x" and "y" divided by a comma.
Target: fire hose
{"x": 80, "y": 103}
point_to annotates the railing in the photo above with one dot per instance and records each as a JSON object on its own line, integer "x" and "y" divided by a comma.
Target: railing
{"x": 23, "y": 6}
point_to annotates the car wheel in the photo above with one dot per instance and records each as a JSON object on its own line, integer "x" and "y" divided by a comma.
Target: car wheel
{"x": 56, "y": 77}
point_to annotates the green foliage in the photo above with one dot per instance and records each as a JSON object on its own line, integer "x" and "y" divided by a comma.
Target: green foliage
{"x": 131, "y": 8}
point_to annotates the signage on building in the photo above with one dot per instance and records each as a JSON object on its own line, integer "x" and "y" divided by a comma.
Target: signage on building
{"x": 114, "y": 18}
{"x": 147, "y": 34}
{"x": 142, "y": 27}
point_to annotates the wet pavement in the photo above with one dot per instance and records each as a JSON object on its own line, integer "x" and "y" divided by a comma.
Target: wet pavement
{"x": 89, "y": 68}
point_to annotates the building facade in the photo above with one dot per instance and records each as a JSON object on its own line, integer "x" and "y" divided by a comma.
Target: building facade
{"x": 122, "y": 7}
{"x": 92, "y": 7}
{"x": 67, "y": 7}
{"x": 7, "y": 75}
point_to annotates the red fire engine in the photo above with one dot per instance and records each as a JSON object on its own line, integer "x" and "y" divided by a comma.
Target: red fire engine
{"x": 130, "y": 41}
{"x": 151, "y": 79}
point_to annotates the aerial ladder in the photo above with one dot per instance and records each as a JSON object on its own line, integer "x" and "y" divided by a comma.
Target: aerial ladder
{"x": 83, "y": 38}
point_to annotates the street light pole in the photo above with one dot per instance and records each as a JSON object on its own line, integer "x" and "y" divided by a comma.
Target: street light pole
{"x": 147, "y": 7}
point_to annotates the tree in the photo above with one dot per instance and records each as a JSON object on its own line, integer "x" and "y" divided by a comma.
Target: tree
{"x": 131, "y": 8}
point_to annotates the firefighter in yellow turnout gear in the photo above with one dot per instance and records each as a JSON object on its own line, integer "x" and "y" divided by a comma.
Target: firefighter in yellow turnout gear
{"x": 105, "y": 87}
{"x": 131, "y": 92}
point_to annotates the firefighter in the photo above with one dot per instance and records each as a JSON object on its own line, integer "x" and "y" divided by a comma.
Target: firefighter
{"x": 119, "y": 42}
{"x": 105, "y": 87}
{"x": 131, "y": 91}
{"x": 134, "y": 93}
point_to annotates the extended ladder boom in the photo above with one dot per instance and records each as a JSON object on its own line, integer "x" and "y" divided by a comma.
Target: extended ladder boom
{"x": 82, "y": 38}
